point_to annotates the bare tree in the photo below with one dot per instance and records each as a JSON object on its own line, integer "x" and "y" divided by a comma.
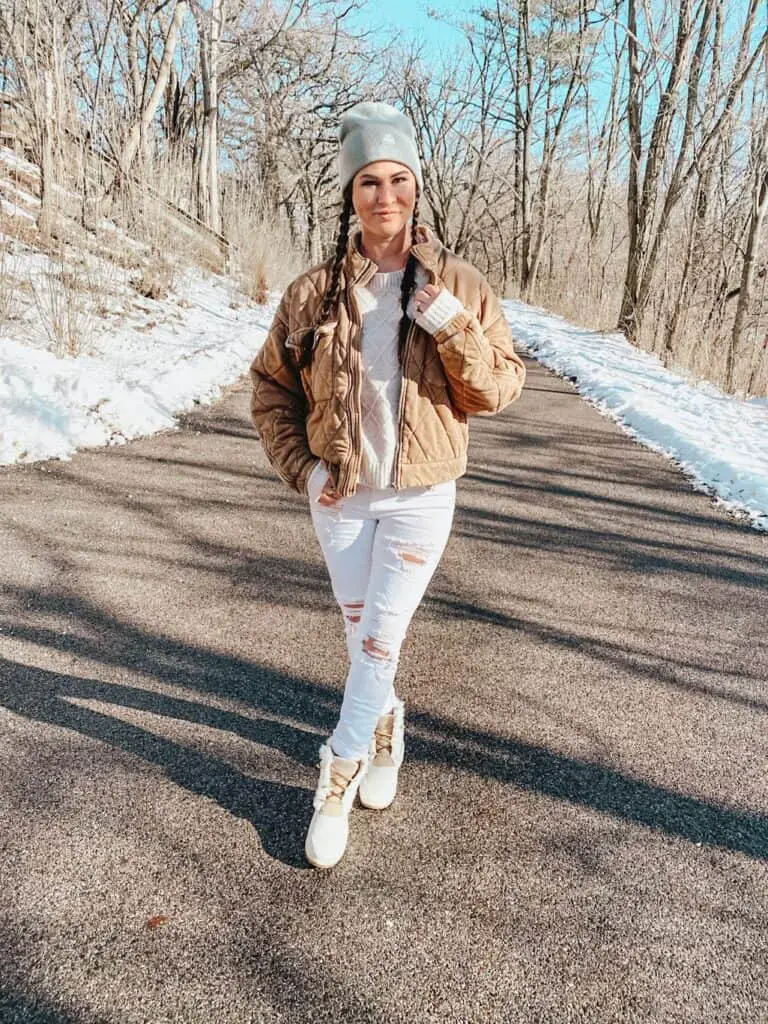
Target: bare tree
{"x": 151, "y": 92}
{"x": 458, "y": 117}
{"x": 209, "y": 25}
{"x": 683, "y": 133}
{"x": 35, "y": 34}
{"x": 547, "y": 50}
{"x": 284, "y": 112}
{"x": 744, "y": 347}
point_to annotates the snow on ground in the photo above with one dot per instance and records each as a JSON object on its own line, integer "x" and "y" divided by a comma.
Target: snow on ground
{"x": 719, "y": 441}
{"x": 135, "y": 377}
{"x": 126, "y": 364}
{"x": 12, "y": 159}
{"x": 13, "y": 210}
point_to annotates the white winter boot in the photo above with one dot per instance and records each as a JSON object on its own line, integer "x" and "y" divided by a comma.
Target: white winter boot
{"x": 379, "y": 785}
{"x": 329, "y": 829}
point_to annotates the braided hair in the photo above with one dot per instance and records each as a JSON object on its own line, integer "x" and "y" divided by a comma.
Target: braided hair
{"x": 331, "y": 298}
{"x": 408, "y": 286}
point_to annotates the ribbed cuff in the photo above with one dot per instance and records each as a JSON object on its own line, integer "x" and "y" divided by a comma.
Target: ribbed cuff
{"x": 440, "y": 312}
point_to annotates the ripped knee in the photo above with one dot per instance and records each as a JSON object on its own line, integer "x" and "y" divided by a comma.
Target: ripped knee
{"x": 412, "y": 557}
{"x": 377, "y": 649}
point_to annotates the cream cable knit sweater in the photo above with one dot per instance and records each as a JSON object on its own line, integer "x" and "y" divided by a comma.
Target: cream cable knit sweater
{"x": 379, "y": 304}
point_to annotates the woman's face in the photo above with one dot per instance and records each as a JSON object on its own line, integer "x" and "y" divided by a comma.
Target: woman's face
{"x": 384, "y": 195}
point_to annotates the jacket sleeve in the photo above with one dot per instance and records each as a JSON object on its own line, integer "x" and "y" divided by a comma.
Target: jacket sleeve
{"x": 279, "y": 406}
{"x": 484, "y": 372}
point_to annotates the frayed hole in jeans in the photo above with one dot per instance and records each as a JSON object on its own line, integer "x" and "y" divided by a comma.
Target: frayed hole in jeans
{"x": 376, "y": 650}
{"x": 352, "y": 610}
{"x": 410, "y": 557}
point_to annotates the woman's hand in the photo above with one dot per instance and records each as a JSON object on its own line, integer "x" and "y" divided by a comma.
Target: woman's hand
{"x": 423, "y": 299}
{"x": 329, "y": 496}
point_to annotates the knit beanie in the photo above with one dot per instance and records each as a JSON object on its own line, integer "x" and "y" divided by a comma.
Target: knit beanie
{"x": 376, "y": 131}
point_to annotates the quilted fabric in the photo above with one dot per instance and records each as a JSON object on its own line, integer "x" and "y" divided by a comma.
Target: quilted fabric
{"x": 467, "y": 367}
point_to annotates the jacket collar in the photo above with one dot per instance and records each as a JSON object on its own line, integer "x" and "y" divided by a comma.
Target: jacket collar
{"x": 360, "y": 269}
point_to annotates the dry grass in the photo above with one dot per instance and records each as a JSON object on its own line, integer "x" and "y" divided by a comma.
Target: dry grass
{"x": 261, "y": 256}
{"x": 156, "y": 278}
{"x": 20, "y": 228}
{"x": 60, "y": 299}
{"x": 8, "y": 286}
{"x": 85, "y": 280}
{"x": 162, "y": 228}
{"x": 257, "y": 287}
{"x": 264, "y": 257}
{"x": 21, "y": 178}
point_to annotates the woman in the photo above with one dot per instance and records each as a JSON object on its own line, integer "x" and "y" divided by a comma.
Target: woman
{"x": 361, "y": 395}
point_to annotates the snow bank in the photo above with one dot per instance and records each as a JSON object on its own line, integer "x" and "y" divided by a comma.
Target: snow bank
{"x": 721, "y": 442}
{"x": 138, "y": 378}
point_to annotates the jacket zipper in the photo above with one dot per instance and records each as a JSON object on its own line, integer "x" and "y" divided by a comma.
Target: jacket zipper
{"x": 432, "y": 277}
{"x": 353, "y": 402}
{"x": 401, "y": 407}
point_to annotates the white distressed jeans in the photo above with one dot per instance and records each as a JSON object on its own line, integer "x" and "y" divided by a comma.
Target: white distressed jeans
{"x": 381, "y": 548}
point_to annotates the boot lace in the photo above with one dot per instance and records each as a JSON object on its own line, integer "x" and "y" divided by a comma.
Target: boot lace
{"x": 338, "y": 784}
{"x": 332, "y": 785}
{"x": 383, "y": 734}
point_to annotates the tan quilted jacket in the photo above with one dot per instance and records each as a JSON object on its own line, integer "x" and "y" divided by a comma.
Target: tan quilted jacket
{"x": 467, "y": 367}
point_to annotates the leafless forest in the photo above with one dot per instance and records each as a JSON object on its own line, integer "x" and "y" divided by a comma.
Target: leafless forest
{"x": 605, "y": 160}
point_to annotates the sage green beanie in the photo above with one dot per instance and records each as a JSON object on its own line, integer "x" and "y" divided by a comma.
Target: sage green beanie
{"x": 376, "y": 131}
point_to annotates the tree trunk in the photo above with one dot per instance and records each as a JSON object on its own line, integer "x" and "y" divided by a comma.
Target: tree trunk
{"x": 212, "y": 117}
{"x": 628, "y": 322}
{"x": 525, "y": 68}
{"x": 140, "y": 127}
{"x": 47, "y": 169}
{"x": 738, "y": 348}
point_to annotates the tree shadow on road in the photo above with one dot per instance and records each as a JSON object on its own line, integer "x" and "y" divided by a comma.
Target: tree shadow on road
{"x": 638, "y": 663}
{"x": 279, "y": 812}
{"x": 169, "y": 511}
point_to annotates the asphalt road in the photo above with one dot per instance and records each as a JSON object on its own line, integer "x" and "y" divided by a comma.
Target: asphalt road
{"x": 582, "y": 830}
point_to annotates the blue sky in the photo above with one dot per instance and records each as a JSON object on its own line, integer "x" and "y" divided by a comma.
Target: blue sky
{"x": 411, "y": 19}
